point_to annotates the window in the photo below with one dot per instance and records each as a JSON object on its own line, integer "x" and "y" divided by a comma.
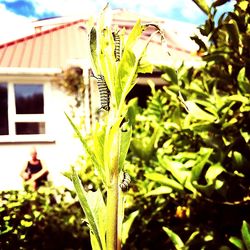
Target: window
{"x": 4, "y": 127}
{"x": 22, "y": 109}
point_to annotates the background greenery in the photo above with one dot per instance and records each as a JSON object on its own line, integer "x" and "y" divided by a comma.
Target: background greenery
{"x": 189, "y": 159}
{"x": 50, "y": 218}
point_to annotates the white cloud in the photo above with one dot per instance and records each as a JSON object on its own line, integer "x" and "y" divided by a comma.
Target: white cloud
{"x": 69, "y": 7}
{"x": 19, "y": 26}
{"x": 13, "y": 26}
{"x": 191, "y": 11}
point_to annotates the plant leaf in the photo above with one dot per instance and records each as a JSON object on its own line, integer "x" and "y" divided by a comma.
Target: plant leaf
{"x": 195, "y": 111}
{"x": 88, "y": 150}
{"x": 170, "y": 75}
{"x": 213, "y": 172}
{"x": 178, "y": 243}
{"x": 198, "y": 167}
{"x": 245, "y": 231}
{"x": 202, "y": 4}
{"x": 159, "y": 190}
{"x": 125, "y": 138}
{"x": 127, "y": 225}
{"x": 93, "y": 51}
{"x": 163, "y": 179}
{"x": 237, "y": 242}
{"x": 89, "y": 213}
{"x": 243, "y": 82}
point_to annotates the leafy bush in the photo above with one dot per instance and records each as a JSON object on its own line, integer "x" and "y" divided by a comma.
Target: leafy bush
{"x": 189, "y": 156}
{"x": 47, "y": 219}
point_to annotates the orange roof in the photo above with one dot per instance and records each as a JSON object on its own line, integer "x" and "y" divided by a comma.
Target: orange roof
{"x": 55, "y": 47}
{"x": 47, "y": 49}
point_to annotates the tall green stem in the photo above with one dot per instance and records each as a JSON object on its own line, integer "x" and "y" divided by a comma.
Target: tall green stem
{"x": 112, "y": 208}
{"x": 112, "y": 199}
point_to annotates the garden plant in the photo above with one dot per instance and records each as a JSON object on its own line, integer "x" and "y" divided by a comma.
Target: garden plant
{"x": 187, "y": 154}
{"x": 115, "y": 65}
{"x": 189, "y": 151}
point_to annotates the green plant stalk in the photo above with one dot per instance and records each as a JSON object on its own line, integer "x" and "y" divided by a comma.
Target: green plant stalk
{"x": 112, "y": 198}
{"x": 112, "y": 212}
{"x": 120, "y": 218}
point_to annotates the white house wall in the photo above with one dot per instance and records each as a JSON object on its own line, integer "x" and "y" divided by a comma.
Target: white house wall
{"x": 58, "y": 154}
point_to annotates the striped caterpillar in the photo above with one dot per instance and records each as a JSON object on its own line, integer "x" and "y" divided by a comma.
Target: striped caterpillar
{"x": 125, "y": 182}
{"x": 117, "y": 40}
{"x": 104, "y": 92}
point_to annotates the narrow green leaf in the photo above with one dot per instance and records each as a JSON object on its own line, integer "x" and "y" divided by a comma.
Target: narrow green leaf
{"x": 159, "y": 190}
{"x": 213, "y": 172}
{"x": 195, "y": 111}
{"x": 219, "y": 3}
{"x": 245, "y": 231}
{"x": 170, "y": 75}
{"x": 199, "y": 42}
{"x": 125, "y": 138}
{"x": 127, "y": 225}
{"x": 134, "y": 35}
{"x": 107, "y": 59}
{"x": 178, "y": 243}
{"x": 144, "y": 149}
{"x": 126, "y": 75}
{"x": 179, "y": 171}
{"x": 93, "y": 51}
{"x": 243, "y": 82}
{"x": 233, "y": 31}
{"x": 202, "y": 4}
{"x": 82, "y": 195}
{"x": 237, "y": 242}
{"x": 99, "y": 138}
{"x": 145, "y": 66}
{"x": 98, "y": 207}
{"x": 192, "y": 238}
{"x": 88, "y": 150}
{"x": 207, "y": 189}
{"x": 198, "y": 167}
{"x": 129, "y": 65}
{"x": 163, "y": 179}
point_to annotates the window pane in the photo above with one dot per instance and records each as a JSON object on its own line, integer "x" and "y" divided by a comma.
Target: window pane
{"x": 4, "y": 126}
{"x": 29, "y": 99}
{"x": 29, "y": 128}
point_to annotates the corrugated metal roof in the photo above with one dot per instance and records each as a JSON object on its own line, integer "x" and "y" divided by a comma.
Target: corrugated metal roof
{"x": 55, "y": 47}
{"x": 47, "y": 49}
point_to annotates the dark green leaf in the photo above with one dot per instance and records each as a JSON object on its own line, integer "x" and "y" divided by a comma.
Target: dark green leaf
{"x": 202, "y": 4}
{"x": 198, "y": 167}
{"x": 237, "y": 242}
{"x": 245, "y": 231}
{"x": 170, "y": 75}
{"x": 125, "y": 137}
{"x": 90, "y": 214}
{"x": 163, "y": 179}
{"x": 219, "y": 2}
{"x": 127, "y": 225}
{"x": 178, "y": 243}
{"x": 233, "y": 31}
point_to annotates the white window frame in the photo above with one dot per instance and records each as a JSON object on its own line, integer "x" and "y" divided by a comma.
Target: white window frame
{"x": 13, "y": 117}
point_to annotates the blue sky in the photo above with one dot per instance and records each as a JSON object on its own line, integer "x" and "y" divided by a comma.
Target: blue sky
{"x": 19, "y": 13}
{"x": 181, "y": 10}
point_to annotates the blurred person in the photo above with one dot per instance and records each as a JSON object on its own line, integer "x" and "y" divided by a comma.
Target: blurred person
{"x": 34, "y": 172}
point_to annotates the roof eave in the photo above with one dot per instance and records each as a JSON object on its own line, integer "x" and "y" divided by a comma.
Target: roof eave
{"x": 29, "y": 71}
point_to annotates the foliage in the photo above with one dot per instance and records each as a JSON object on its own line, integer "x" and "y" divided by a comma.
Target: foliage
{"x": 189, "y": 153}
{"x": 115, "y": 65}
{"x": 195, "y": 183}
{"x": 72, "y": 82}
{"x": 47, "y": 219}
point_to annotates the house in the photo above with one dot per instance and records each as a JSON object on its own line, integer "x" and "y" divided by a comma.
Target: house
{"x": 32, "y": 107}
